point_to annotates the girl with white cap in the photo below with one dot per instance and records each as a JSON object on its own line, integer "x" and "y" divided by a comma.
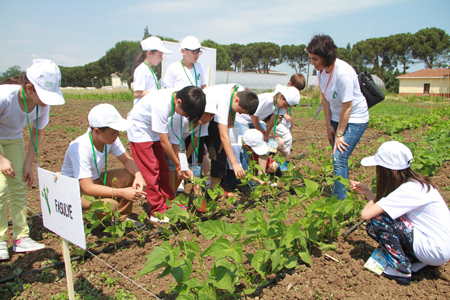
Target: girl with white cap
{"x": 144, "y": 77}
{"x": 24, "y": 101}
{"x": 408, "y": 216}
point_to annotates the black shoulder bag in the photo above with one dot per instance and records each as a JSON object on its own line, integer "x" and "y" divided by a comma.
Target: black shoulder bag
{"x": 369, "y": 89}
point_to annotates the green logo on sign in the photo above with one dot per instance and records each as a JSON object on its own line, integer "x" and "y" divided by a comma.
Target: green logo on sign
{"x": 45, "y": 195}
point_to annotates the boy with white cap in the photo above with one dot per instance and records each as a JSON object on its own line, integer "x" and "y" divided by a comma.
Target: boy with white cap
{"x": 87, "y": 154}
{"x": 149, "y": 139}
{"x": 408, "y": 216}
{"x": 253, "y": 141}
{"x": 274, "y": 105}
{"x": 230, "y": 99}
{"x": 188, "y": 71}
{"x": 144, "y": 77}
{"x": 24, "y": 101}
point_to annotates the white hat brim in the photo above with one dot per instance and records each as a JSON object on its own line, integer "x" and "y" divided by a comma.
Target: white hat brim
{"x": 48, "y": 97}
{"x": 369, "y": 161}
{"x": 261, "y": 150}
{"x": 121, "y": 125}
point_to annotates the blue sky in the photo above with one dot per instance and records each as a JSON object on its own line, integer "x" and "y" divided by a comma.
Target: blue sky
{"x": 74, "y": 33}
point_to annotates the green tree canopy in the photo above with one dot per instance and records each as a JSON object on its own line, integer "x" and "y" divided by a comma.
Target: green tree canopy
{"x": 431, "y": 46}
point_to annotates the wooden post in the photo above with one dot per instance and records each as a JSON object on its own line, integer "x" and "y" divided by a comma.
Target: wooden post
{"x": 69, "y": 277}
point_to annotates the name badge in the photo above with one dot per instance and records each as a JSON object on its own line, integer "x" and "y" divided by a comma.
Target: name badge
{"x": 197, "y": 170}
{"x": 183, "y": 161}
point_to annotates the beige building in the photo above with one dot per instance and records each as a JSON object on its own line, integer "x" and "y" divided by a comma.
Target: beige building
{"x": 432, "y": 82}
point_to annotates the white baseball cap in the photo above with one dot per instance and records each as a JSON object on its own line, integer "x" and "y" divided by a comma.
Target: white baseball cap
{"x": 106, "y": 115}
{"x": 154, "y": 43}
{"x": 290, "y": 93}
{"x": 191, "y": 43}
{"x": 392, "y": 155}
{"x": 255, "y": 140}
{"x": 46, "y": 79}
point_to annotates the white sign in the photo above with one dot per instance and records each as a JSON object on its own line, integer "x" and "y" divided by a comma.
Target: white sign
{"x": 61, "y": 206}
{"x": 207, "y": 59}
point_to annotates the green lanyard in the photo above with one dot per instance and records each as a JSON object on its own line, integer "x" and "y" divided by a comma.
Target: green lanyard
{"x": 35, "y": 146}
{"x": 233, "y": 114}
{"x": 276, "y": 117}
{"x": 154, "y": 76}
{"x": 181, "y": 124}
{"x": 196, "y": 149}
{"x": 95, "y": 159}
{"x": 195, "y": 72}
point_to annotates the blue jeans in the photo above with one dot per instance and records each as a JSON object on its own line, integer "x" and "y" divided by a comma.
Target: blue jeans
{"x": 243, "y": 127}
{"x": 352, "y": 135}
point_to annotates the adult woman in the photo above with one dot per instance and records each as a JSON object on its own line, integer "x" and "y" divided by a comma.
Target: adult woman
{"x": 345, "y": 108}
{"x": 24, "y": 102}
{"x": 144, "y": 77}
{"x": 408, "y": 216}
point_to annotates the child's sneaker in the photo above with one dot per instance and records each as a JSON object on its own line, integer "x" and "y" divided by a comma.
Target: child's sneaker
{"x": 26, "y": 244}
{"x": 283, "y": 167}
{"x": 399, "y": 277}
{"x": 4, "y": 254}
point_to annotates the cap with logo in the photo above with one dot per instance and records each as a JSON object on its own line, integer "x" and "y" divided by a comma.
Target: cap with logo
{"x": 290, "y": 93}
{"x": 191, "y": 43}
{"x": 392, "y": 155}
{"x": 106, "y": 115}
{"x": 255, "y": 140}
{"x": 46, "y": 79}
{"x": 154, "y": 43}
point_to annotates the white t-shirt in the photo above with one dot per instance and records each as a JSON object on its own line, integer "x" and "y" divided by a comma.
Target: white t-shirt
{"x": 266, "y": 107}
{"x": 149, "y": 117}
{"x": 344, "y": 87}
{"x": 143, "y": 80}
{"x": 174, "y": 130}
{"x": 430, "y": 217}
{"x": 221, "y": 94}
{"x": 13, "y": 119}
{"x": 178, "y": 77}
{"x": 79, "y": 159}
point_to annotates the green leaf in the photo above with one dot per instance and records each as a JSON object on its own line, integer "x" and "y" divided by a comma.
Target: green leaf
{"x": 224, "y": 275}
{"x": 216, "y": 228}
{"x": 304, "y": 255}
{"x": 291, "y": 262}
{"x": 259, "y": 261}
{"x": 161, "y": 256}
{"x": 190, "y": 248}
{"x": 222, "y": 247}
{"x": 181, "y": 271}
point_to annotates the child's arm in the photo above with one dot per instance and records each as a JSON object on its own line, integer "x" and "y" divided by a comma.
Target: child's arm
{"x": 262, "y": 162}
{"x": 255, "y": 121}
{"x": 269, "y": 127}
{"x": 131, "y": 166}
{"x": 371, "y": 209}
{"x": 226, "y": 143}
{"x": 88, "y": 187}
{"x": 167, "y": 147}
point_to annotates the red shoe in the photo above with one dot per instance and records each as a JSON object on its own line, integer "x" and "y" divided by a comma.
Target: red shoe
{"x": 228, "y": 194}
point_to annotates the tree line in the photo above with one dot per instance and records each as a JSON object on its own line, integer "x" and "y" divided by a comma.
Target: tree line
{"x": 386, "y": 57}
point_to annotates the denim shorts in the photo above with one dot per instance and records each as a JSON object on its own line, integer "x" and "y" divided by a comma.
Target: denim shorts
{"x": 170, "y": 163}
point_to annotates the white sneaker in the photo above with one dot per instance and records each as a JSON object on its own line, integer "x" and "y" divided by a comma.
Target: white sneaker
{"x": 26, "y": 244}
{"x": 156, "y": 220}
{"x": 181, "y": 187}
{"x": 4, "y": 254}
{"x": 137, "y": 224}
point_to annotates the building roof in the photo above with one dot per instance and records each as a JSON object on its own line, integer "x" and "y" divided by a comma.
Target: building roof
{"x": 427, "y": 73}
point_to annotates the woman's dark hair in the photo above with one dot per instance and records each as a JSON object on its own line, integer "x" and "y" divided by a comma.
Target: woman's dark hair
{"x": 19, "y": 80}
{"x": 140, "y": 58}
{"x": 298, "y": 81}
{"x": 389, "y": 180}
{"x": 323, "y": 46}
{"x": 193, "y": 101}
{"x": 248, "y": 101}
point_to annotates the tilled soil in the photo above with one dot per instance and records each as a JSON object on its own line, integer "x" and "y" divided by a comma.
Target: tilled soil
{"x": 342, "y": 278}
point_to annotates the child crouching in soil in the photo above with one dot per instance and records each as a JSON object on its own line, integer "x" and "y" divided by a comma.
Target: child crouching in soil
{"x": 408, "y": 216}
{"x": 88, "y": 153}
{"x": 253, "y": 141}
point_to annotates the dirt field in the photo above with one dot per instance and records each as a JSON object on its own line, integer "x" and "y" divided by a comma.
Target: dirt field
{"x": 324, "y": 279}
